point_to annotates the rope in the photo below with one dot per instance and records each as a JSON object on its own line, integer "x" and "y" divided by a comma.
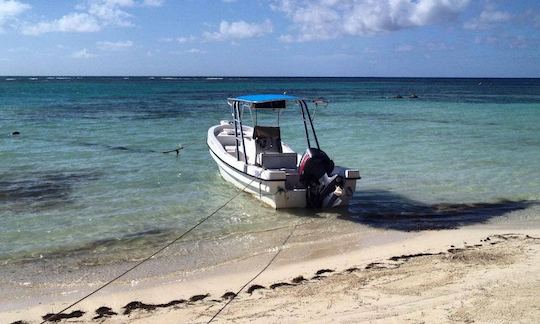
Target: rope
{"x": 181, "y": 147}
{"x": 56, "y": 315}
{"x": 112, "y": 147}
{"x": 256, "y": 276}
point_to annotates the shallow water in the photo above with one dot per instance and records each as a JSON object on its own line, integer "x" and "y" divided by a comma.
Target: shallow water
{"x": 86, "y": 176}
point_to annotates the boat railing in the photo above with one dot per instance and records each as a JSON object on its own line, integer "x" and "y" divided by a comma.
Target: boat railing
{"x": 238, "y": 128}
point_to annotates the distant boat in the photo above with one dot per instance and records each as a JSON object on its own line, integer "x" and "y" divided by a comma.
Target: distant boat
{"x": 255, "y": 159}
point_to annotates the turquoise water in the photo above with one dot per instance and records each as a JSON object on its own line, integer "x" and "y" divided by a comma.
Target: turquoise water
{"x": 86, "y": 176}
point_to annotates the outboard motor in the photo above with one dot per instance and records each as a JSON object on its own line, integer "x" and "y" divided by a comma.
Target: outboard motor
{"x": 322, "y": 189}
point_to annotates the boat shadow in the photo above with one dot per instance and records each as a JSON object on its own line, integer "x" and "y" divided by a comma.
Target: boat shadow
{"x": 389, "y": 210}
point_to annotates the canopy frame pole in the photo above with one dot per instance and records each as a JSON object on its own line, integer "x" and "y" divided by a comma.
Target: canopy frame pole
{"x": 241, "y": 134}
{"x": 312, "y": 127}
{"x": 235, "y": 119}
{"x": 301, "y": 103}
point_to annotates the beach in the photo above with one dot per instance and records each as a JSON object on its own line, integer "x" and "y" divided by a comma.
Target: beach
{"x": 450, "y": 276}
{"x": 443, "y": 226}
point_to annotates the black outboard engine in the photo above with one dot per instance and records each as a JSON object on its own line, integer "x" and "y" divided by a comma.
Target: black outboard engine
{"x": 322, "y": 188}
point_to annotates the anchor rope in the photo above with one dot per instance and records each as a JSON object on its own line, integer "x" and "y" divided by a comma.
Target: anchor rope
{"x": 263, "y": 269}
{"x": 111, "y": 147}
{"x": 200, "y": 222}
{"x": 138, "y": 264}
{"x": 181, "y": 147}
{"x": 256, "y": 276}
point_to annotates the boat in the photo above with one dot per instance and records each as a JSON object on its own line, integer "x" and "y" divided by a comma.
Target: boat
{"x": 256, "y": 160}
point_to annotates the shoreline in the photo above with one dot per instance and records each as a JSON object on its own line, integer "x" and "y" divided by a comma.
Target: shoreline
{"x": 157, "y": 292}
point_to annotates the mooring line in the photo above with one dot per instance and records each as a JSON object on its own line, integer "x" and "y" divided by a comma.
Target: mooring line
{"x": 181, "y": 147}
{"x": 113, "y": 147}
{"x": 56, "y": 315}
{"x": 256, "y": 276}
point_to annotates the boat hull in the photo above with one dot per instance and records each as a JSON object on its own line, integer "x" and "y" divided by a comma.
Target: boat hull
{"x": 270, "y": 185}
{"x": 270, "y": 192}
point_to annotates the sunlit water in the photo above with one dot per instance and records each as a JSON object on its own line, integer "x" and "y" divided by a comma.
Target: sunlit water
{"x": 86, "y": 176}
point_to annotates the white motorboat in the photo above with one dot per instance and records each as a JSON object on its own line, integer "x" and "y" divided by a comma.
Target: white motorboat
{"x": 256, "y": 160}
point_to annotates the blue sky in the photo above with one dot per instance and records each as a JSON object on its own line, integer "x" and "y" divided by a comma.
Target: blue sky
{"x": 447, "y": 38}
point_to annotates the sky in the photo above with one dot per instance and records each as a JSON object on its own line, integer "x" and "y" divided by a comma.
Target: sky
{"x": 381, "y": 38}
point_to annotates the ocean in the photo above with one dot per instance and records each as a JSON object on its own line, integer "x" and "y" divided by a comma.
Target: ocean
{"x": 85, "y": 182}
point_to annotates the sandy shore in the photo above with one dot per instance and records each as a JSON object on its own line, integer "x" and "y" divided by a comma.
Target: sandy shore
{"x": 466, "y": 275}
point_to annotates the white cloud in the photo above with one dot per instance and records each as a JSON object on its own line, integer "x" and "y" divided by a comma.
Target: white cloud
{"x": 530, "y": 18}
{"x": 183, "y": 39}
{"x": 507, "y": 41}
{"x": 9, "y": 9}
{"x": 423, "y": 47}
{"x": 286, "y": 38}
{"x": 518, "y": 41}
{"x": 404, "y": 48}
{"x": 20, "y": 49}
{"x": 439, "y": 46}
{"x": 114, "y": 46}
{"x": 327, "y": 19}
{"x": 486, "y": 40}
{"x": 196, "y": 51}
{"x": 179, "y": 39}
{"x": 92, "y": 16}
{"x": 151, "y": 53}
{"x": 111, "y": 12}
{"x": 82, "y": 54}
{"x": 239, "y": 30}
{"x": 488, "y": 19}
{"x": 74, "y": 22}
{"x": 153, "y": 3}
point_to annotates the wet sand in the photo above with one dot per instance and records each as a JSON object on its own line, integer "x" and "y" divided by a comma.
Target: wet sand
{"x": 478, "y": 274}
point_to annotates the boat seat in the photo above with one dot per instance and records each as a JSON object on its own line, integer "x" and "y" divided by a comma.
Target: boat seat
{"x": 267, "y": 139}
{"x": 230, "y": 148}
{"x": 226, "y": 140}
{"x": 227, "y": 131}
{"x": 274, "y": 160}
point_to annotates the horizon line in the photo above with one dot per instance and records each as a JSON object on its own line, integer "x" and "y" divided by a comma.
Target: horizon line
{"x": 263, "y": 76}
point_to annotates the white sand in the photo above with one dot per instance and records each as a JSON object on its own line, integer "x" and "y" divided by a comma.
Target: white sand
{"x": 485, "y": 283}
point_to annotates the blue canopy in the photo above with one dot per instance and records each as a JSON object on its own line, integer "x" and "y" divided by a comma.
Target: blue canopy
{"x": 260, "y": 98}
